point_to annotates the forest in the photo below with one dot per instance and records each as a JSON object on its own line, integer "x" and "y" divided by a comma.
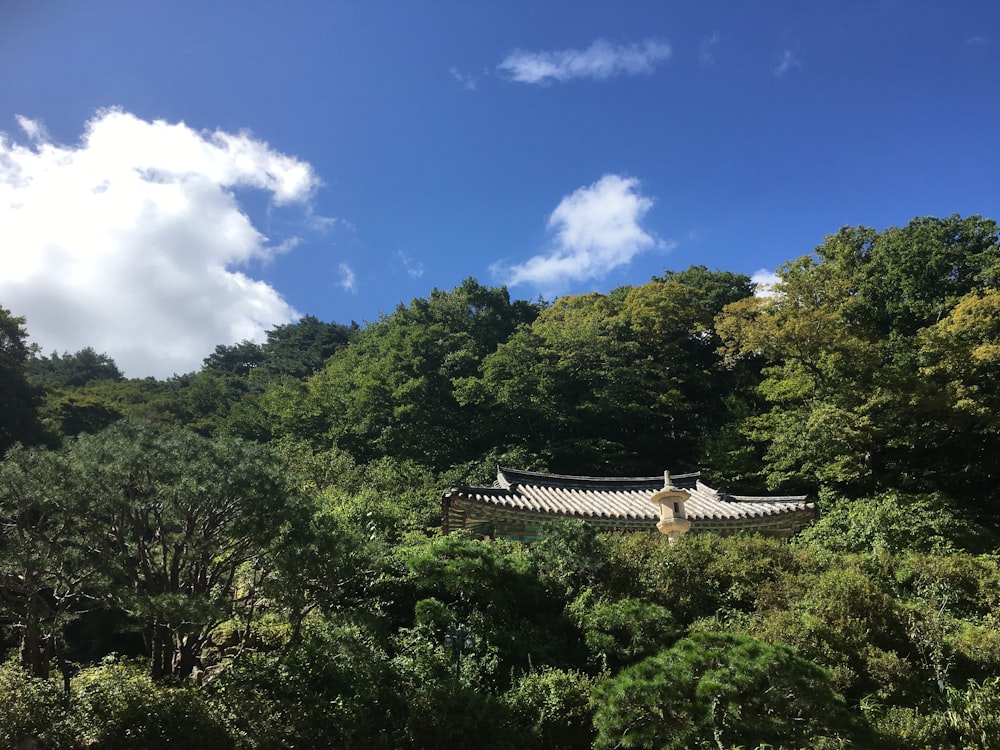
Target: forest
{"x": 249, "y": 556}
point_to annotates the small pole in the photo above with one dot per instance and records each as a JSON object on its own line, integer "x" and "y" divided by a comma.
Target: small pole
{"x": 458, "y": 638}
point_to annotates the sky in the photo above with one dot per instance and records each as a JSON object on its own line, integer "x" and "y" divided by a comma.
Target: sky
{"x": 178, "y": 175}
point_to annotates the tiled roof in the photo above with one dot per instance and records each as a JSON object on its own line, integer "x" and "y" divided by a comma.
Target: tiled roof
{"x": 622, "y": 502}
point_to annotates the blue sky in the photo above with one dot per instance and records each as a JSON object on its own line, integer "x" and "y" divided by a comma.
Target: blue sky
{"x": 174, "y": 175}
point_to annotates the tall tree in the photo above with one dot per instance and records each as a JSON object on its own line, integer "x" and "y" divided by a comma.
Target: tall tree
{"x": 624, "y": 382}
{"x": 390, "y": 392}
{"x": 852, "y": 339}
{"x": 76, "y": 369}
{"x": 18, "y": 398}
{"x": 188, "y": 525}
{"x": 48, "y": 555}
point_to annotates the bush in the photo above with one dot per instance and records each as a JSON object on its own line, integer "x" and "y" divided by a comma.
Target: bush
{"x": 619, "y": 633}
{"x": 32, "y": 708}
{"x": 119, "y": 706}
{"x": 551, "y": 705}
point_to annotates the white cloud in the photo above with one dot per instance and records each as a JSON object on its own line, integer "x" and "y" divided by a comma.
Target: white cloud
{"x": 600, "y": 60}
{"x": 414, "y": 269}
{"x": 787, "y": 62}
{"x": 33, "y": 129}
{"x": 347, "y": 278}
{"x": 127, "y": 241}
{"x": 765, "y": 281}
{"x": 597, "y": 229}
{"x": 468, "y": 81}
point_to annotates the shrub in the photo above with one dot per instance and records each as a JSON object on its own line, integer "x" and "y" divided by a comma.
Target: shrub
{"x": 32, "y": 708}
{"x": 119, "y": 706}
{"x": 551, "y": 705}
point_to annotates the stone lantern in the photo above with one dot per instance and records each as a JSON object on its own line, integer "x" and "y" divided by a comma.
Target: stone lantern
{"x": 673, "y": 520}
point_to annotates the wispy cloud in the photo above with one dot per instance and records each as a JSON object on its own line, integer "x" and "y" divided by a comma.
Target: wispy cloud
{"x": 469, "y": 81}
{"x": 977, "y": 41}
{"x": 787, "y": 61}
{"x": 600, "y": 60}
{"x": 348, "y": 280}
{"x": 596, "y": 229}
{"x": 706, "y": 50}
{"x": 128, "y": 241}
{"x": 34, "y": 129}
{"x": 414, "y": 269}
{"x": 765, "y": 280}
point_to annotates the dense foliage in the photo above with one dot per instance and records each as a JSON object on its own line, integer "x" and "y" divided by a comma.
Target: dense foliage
{"x": 247, "y": 556}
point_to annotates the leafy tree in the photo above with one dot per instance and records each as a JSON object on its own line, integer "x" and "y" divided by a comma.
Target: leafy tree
{"x": 568, "y": 557}
{"x": 613, "y": 382}
{"x": 390, "y": 392}
{"x": 849, "y": 619}
{"x": 894, "y": 522}
{"x": 335, "y": 688}
{"x": 73, "y": 370}
{"x": 490, "y": 588}
{"x": 974, "y": 713}
{"x": 324, "y": 563}
{"x": 189, "y": 524}
{"x": 620, "y": 633}
{"x": 872, "y": 350}
{"x": 48, "y": 561}
{"x": 721, "y": 690}
{"x": 235, "y": 359}
{"x": 18, "y": 398}
{"x": 299, "y": 349}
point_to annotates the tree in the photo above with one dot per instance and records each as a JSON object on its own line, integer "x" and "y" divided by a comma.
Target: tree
{"x": 390, "y": 392}
{"x": 18, "y": 398}
{"x": 874, "y": 349}
{"x": 617, "y": 383}
{"x": 720, "y": 690}
{"x": 188, "y": 526}
{"x": 48, "y": 560}
{"x": 76, "y": 369}
{"x": 299, "y": 349}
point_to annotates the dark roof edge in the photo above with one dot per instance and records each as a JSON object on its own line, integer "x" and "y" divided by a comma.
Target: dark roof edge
{"x": 520, "y": 476}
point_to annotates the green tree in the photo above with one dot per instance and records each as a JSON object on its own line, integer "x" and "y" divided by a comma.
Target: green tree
{"x": 299, "y": 349}
{"x": 874, "y": 349}
{"x": 189, "y": 524}
{"x": 33, "y": 709}
{"x": 76, "y": 369}
{"x": 617, "y": 383}
{"x": 18, "y": 398}
{"x": 48, "y": 560}
{"x": 390, "y": 392}
{"x": 721, "y": 690}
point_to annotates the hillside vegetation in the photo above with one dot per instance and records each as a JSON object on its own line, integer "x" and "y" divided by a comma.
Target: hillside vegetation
{"x": 249, "y": 556}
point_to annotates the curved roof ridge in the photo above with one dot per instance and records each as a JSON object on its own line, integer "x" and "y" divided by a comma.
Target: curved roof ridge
{"x": 768, "y": 498}
{"x": 507, "y": 477}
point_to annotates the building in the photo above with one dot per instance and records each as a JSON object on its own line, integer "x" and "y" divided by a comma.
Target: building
{"x": 519, "y": 501}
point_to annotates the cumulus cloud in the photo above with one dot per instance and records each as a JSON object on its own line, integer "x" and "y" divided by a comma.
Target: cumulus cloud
{"x": 129, "y": 241}
{"x": 600, "y": 60}
{"x": 596, "y": 229}
{"x": 765, "y": 280}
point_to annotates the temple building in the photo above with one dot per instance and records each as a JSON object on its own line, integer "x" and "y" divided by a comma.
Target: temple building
{"x": 519, "y": 501}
